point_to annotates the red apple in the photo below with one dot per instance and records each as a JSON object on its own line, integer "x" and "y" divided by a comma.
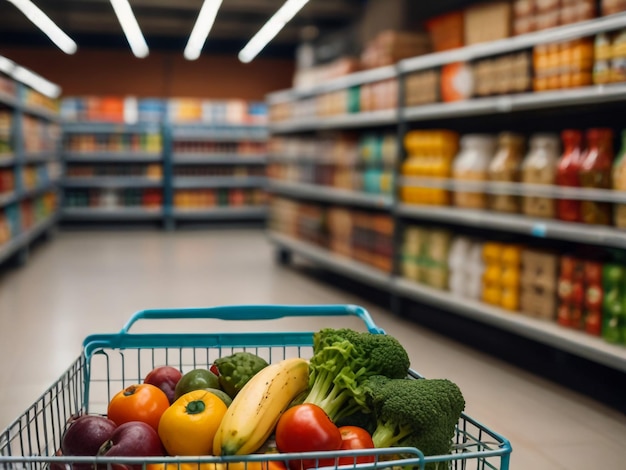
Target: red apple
{"x": 133, "y": 439}
{"x": 86, "y": 434}
{"x": 165, "y": 378}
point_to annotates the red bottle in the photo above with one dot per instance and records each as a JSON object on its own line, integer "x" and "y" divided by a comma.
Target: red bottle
{"x": 595, "y": 172}
{"x": 568, "y": 174}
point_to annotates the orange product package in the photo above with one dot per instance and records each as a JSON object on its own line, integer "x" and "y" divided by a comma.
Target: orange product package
{"x": 457, "y": 82}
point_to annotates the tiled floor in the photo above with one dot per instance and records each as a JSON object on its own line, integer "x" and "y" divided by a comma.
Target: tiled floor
{"x": 81, "y": 283}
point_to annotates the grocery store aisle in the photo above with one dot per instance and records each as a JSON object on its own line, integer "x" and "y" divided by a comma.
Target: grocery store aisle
{"x": 84, "y": 282}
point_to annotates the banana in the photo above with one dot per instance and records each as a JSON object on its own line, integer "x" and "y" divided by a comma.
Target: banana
{"x": 254, "y": 412}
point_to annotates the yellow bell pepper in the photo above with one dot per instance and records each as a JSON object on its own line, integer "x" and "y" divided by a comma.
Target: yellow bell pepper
{"x": 189, "y": 425}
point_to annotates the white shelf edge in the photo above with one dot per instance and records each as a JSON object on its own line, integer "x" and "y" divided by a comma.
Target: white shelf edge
{"x": 342, "y": 121}
{"x": 516, "y": 223}
{"x": 234, "y": 212}
{"x": 111, "y": 182}
{"x": 550, "y": 333}
{"x": 182, "y": 158}
{"x": 515, "y": 43}
{"x": 333, "y": 261}
{"x": 357, "y": 78}
{"x": 112, "y": 156}
{"x": 515, "y": 189}
{"x": 195, "y": 182}
{"x": 516, "y": 102}
{"x": 111, "y": 213}
{"x": 329, "y": 194}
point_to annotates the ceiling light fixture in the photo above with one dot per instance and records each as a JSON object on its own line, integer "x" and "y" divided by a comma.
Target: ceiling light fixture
{"x": 46, "y": 25}
{"x": 201, "y": 29}
{"x": 131, "y": 29}
{"x": 270, "y": 29}
{"x": 37, "y": 82}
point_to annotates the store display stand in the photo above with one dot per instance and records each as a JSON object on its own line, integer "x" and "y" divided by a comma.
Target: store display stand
{"x": 18, "y": 248}
{"x": 592, "y": 349}
{"x": 167, "y": 214}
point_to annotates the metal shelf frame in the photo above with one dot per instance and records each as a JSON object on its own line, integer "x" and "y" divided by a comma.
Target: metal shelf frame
{"x": 222, "y": 213}
{"x": 515, "y": 223}
{"x": 575, "y": 342}
{"x": 218, "y": 159}
{"x": 112, "y": 157}
{"x": 329, "y": 194}
{"x": 111, "y": 214}
{"x": 400, "y": 119}
{"x": 129, "y": 182}
{"x": 205, "y": 182}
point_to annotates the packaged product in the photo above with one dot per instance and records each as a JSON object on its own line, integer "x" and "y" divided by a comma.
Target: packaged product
{"x": 486, "y": 22}
{"x": 457, "y": 82}
{"x": 540, "y": 269}
{"x": 595, "y": 172}
{"x": 472, "y": 164}
{"x": 568, "y": 174}
{"x": 506, "y": 167}
{"x": 614, "y": 304}
{"x": 539, "y": 167}
{"x": 619, "y": 183}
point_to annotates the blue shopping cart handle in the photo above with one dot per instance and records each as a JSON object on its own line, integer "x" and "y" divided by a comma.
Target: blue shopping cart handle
{"x": 255, "y": 312}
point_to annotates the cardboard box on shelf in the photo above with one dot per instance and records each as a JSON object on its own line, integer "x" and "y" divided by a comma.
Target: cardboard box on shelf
{"x": 487, "y": 22}
{"x": 540, "y": 269}
{"x": 446, "y": 31}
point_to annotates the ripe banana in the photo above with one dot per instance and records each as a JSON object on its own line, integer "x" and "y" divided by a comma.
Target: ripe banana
{"x": 254, "y": 412}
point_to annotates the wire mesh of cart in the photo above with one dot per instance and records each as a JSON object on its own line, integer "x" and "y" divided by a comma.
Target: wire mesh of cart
{"x": 110, "y": 362}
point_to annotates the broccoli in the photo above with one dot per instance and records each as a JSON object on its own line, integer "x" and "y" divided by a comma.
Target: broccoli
{"x": 419, "y": 413}
{"x": 342, "y": 361}
{"x": 235, "y": 370}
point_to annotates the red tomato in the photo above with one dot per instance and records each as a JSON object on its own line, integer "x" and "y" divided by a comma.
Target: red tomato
{"x": 143, "y": 402}
{"x": 354, "y": 438}
{"x": 307, "y": 428}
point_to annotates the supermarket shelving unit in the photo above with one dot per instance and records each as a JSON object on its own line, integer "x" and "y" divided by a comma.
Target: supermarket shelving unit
{"x": 213, "y": 136}
{"x": 170, "y": 159}
{"x": 18, "y": 246}
{"x": 579, "y": 344}
{"x": 97, "y": 156}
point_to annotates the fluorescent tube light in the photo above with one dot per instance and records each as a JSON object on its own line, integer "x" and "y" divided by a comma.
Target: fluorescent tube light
{"x": 270, "y": 29}
{"x": 201, "y": 29}
{"x": 36, "y": 82}
{"x": 130, "y": 27}
{"x": 45, "y": 24}
{"x": 7, "y": 66}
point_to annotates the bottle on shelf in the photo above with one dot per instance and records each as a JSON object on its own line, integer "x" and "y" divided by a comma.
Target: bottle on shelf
{"x": 539, "y": 167}
{"x": 595, "y": 172}
{"x": 472, "y": 164}
{"x": 505, "y": 167}
{"x": 619, "y": 183}
{"x": 568, "y": 174}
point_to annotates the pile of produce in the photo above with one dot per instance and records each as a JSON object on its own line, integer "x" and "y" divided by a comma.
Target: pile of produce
{"x": 354, "y": 393}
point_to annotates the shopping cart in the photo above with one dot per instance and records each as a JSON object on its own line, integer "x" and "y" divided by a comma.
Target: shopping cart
{"x": 111, "y": 362}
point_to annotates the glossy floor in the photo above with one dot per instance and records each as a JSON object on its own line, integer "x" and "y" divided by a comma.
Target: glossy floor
{"x": 80, "y": 283}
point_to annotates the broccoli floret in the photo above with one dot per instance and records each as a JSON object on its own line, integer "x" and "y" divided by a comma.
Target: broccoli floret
{"x": 342, "y": 361}
{"x": 235, "y": 370}
{"x": 418, "y": 413}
